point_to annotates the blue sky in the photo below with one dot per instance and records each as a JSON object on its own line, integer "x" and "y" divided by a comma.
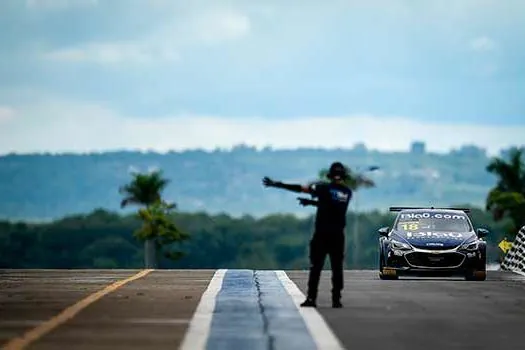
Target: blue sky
{"x": 80, "y": 75}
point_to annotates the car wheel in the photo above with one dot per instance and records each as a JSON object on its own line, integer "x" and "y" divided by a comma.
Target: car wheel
{"x": 479, "y": 273}
{"x": 390, "y": 273}
{"x": 476, "y": 275}
{"x": 381, "y": 265}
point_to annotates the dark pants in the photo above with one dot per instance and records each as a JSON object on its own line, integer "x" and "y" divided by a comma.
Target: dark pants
{"x": 319, "y": 249}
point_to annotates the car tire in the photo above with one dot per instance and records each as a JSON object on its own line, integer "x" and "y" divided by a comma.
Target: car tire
{"x": 381, "y": 268}
{"x": 479, "y": 273}
{"x": 476, "y": 275}
{"x": 381, "y": 264}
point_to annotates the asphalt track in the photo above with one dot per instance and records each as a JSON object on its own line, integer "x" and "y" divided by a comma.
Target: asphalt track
{"x": 244, "y": 309}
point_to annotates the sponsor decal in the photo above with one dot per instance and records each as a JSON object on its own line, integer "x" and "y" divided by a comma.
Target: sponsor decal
{"x": 431, "y": 216}
{"x": 434, "y": 235}
{"x": 339, "y": 196}
{"x": 412, "y": 226}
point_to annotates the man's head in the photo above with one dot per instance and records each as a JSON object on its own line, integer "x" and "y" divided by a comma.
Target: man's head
{"x": 337, "y": 172}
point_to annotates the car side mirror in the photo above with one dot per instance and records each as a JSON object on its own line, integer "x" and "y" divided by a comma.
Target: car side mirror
{"x": 482, "y": 232}
{"x": 383, "y": 231}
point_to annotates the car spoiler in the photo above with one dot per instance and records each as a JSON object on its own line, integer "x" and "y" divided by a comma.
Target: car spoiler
{"x": 466, "y": 210}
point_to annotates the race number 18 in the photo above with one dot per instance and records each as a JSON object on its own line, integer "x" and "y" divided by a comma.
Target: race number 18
{"x": 410, "y": 227}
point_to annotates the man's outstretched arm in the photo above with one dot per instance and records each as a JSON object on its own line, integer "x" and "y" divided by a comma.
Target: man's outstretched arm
{"x": 290, "y": 187}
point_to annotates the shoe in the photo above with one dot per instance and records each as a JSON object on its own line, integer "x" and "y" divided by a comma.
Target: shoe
{"x": 336, "y": 304}
{"x": 309, "y": 303}
{"x": 336, "y": 301}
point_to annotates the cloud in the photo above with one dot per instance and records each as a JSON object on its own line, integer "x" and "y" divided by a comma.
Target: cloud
{"x": 482, "y": 44}
{"x": 59, "y": 126}
{"x": 6, "y": 114}
{"x": 217, "y": 26}
{"x": 485, "y": 66}
{"x": 58, "y": 4}
{"x": 164, "y": 43}
{"x": 239, "y": 58}
{"x": 113, "y": 53}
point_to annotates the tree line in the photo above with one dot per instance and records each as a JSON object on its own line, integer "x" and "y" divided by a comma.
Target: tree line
{"x": 104, "y": 239}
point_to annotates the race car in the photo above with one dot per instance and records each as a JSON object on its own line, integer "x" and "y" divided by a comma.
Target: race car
{"x": 432, "y": 242}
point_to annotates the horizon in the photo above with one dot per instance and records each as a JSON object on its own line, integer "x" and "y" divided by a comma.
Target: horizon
{"x": 361, "y": 147}
{"x": 128, "y": 212}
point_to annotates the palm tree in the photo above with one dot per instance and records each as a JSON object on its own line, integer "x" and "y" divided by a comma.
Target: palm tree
{"x": 145, "y": 189}
{"x": 158, "y": 227}
{"x": 507, "y": 198}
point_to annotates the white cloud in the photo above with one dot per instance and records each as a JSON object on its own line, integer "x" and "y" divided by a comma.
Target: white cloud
{"x": 487, "y": 67}
{"x": 482, "y": 44}
{"x": 113, "y": 53}
{"x": 58, "y": 126}
{"x": 6, "y": 114}
{"x": 163, "y": 44}
{"x": 58, "y": 4}
{"x": 218, "y": 26}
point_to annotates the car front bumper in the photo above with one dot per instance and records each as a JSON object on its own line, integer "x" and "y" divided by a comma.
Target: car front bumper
{"x": 433, "y": 262}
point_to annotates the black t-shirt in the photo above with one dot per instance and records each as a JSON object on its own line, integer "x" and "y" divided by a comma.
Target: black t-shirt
{"x": 333, "y": 201}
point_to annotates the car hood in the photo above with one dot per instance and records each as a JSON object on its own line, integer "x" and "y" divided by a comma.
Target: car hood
{"x": 434, "y": 240}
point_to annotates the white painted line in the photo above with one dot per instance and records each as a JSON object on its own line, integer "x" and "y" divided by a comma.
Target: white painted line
{"x": 323, "y": 336}
{"x": 197, "y": 334}
{"x": 519, "y": 272}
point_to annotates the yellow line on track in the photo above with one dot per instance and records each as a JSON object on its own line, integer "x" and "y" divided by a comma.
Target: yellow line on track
{"x": 70, "y": 312}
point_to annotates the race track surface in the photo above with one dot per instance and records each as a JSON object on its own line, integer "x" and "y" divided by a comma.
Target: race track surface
{"x": 412, "y": 314}
{"x": 244, "y": 309}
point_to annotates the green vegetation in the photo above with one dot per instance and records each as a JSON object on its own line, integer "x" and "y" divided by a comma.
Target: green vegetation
{"x": 158, "y": 231}
{"x": 507, "y": 198}
{"x": 104, "y": 239}
{"x": 144, "y": 189}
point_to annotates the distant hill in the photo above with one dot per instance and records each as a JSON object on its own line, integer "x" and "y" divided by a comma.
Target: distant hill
{"x": 46, "y": 186}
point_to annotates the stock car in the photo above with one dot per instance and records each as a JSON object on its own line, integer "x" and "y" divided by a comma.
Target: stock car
{"x": 432, "y": 241}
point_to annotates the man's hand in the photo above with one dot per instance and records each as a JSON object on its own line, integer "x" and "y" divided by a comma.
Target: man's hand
{"x": 268, "y": 182}
{"x": 278, "y": 184}
{"x": 305, "y": 201}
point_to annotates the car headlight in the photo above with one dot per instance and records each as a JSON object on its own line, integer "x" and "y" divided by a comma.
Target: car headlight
{"x": 470, "y": 246}
{"x": 400, "y": 245}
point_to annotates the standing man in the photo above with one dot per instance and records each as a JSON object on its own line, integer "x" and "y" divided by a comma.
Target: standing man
{"x": 330, "y": 221}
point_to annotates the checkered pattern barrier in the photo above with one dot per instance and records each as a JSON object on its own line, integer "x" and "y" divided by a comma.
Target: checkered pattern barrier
{"x": 515, "y": 258}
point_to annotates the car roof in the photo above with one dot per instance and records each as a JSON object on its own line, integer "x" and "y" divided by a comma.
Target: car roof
{"x": 438, "y": 210}
{"x": 451, "y": 210}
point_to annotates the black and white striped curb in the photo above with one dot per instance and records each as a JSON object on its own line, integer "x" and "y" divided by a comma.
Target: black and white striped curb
{"x": 515, "y": 258}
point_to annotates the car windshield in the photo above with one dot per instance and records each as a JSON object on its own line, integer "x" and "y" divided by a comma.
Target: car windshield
{"x": 429, "y": 221}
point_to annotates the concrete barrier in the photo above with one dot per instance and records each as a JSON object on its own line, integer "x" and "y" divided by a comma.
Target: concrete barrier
{"x": 515, "y": 258}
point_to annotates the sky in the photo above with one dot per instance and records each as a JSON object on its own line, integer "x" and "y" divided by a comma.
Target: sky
{"x": 94, "y": 75}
